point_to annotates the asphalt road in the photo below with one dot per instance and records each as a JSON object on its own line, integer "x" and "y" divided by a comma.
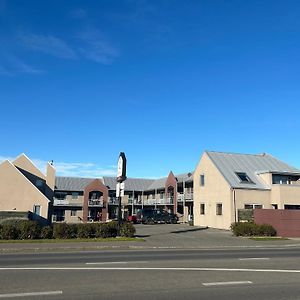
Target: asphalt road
{"x": 250, "y": 273}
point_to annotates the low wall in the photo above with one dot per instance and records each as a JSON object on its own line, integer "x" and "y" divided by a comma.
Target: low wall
{"x": 286, "y": 222}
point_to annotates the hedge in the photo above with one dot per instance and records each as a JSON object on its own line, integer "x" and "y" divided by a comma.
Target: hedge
{"x": 252, "y": 229}
{"x": 25, "y": 229}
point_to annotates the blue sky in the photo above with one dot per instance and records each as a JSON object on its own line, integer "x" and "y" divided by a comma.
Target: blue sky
{"x": 163, "y": 81}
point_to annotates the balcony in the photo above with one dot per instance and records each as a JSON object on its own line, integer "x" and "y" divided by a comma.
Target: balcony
{"x": 185, "y": 197}
{"x": 57, "y": 201}
{"x": 96, "y": 202}
{"x": 113, "y": 201}
{"x": 163, "y": 201}
{"x": 134, "y": 201}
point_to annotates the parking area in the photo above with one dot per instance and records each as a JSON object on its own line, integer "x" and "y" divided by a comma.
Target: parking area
{"x": 185, "y": 236}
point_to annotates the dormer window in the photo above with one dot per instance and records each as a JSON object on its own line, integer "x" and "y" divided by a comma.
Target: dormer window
{"x": 243, "y": 177}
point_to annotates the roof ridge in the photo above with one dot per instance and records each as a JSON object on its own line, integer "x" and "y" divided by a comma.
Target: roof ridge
{"x": 238, "y": 153}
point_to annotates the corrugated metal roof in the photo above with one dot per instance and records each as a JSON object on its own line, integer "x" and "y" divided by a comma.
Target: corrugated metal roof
{"x": 131, "y": 184}
{"x": 75, "y": 184}
{"x": 251, "y": 164}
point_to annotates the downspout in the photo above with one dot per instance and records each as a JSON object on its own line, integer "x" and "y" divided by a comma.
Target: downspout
{"x": 234, "y": 206}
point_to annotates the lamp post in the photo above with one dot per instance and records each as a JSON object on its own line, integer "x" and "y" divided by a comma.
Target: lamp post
{"x": 121, "y": 177}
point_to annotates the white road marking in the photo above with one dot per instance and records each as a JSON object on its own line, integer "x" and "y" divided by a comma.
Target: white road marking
{"x": 226, "y": 283}
{"x": 255, "y": 258}
{"x": 115, "y": 262}
{"x": 145, "y": 269}
{"x": 51, "y": 293}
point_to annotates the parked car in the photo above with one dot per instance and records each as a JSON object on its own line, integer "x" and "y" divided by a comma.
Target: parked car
{"x": 132, "y": 219}
{"x": 154, "y": 216}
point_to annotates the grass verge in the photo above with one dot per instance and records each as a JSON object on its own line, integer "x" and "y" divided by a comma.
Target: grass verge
{"x": 53, "y": 241}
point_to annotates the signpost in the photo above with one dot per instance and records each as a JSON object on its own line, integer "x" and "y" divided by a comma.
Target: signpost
{"x": 120, "y": 187}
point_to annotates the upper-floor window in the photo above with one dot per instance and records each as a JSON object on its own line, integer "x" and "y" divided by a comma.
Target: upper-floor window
{"x": 202, "y": 180}
{"x": 243, "y": 177}
{"x": 75, "y": 195}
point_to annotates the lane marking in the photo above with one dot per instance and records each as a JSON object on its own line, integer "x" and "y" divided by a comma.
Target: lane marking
{"x": 115, "y": 262}
{"x": 255, "y": 258}
{"x": 145, "y": 269}
{"x": 226, "y": 283}
{"x": 51, "y": 293}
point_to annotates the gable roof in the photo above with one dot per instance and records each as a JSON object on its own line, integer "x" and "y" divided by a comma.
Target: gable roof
{"x": 252, "y": 164}
{"x": 74, "y": 184}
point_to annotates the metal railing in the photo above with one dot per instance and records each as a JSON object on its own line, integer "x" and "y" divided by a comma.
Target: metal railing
{"x": 185, "y": 196}
{"x": 60, "y": 201}
{"x": 96, "y": 202}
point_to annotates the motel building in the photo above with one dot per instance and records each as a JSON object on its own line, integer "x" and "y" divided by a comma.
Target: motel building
{"x": 224, "y": 188}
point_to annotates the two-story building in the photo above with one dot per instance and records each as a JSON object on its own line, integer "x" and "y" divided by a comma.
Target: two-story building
{"x": 228, "y": 183}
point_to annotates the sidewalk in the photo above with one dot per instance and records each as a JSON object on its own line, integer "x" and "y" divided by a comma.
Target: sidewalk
{"x": 179, "y": 236}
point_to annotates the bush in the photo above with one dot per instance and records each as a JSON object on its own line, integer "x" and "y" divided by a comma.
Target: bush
{"x": 28, "y": 230}
{"x": 127, "y": 230}
{"x": 86, "y": 231}
{"x": 46, "y": 232}
{"x": 60, "y": 231}
{"x": 252, "y": 229}
{"x": 103, "y": 231}
{"x": 9, "y": 232}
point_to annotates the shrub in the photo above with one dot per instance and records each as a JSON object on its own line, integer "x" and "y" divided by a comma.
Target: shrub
{"x": 86, "y": 231}
{"x": 60, "y": 231}
{"x": 103, "y": 231}
{"x": 28, "y": 230}
{"x": 127, "y": 230}
{"x": 252, "y": 229}
{"x": 46, "y": 232}
{"x": 112, "y": 228}
{"x": 9, "y": 232}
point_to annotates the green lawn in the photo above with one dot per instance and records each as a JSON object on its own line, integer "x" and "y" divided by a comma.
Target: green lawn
{"x": 118, "y": 239}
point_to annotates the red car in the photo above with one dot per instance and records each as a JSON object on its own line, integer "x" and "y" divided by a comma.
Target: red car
{"x": 132, "y": 219}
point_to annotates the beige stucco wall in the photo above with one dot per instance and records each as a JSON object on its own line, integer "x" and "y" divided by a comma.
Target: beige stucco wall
{"x": 246, "y": 196}
{"x": 216, "y": 190}
{"x": 285, "y": 194}
{"x": 266, "y": 178}
{"x": 23, "y": 162}
{"x": 73, "y": 219}
{"x": 18, "y": 193}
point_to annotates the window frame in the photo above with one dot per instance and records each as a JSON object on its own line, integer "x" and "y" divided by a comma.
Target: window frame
{"x": 202, "y": 209}
{"x": 219, "y": 209}
{"x": 202, "y": 180}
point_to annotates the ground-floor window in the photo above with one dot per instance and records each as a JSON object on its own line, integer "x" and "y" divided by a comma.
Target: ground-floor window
{"x": 37, "y": 210}
{"x": 291, "y": 206}
{"x": 253, "y": 206}
{"x": 73, "y": 213}
{"x": 219, "y": 209}
{"x": 202, "y": 209}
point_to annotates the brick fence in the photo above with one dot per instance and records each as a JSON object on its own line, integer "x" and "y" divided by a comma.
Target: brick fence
{"x": 286, "y": 222}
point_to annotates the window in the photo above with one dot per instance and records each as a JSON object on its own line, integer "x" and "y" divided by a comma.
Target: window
{"x": 37, "y": 210}
{"x": 219, "y": 209}
{"x": 161, "y": 195}
{"x": 243, "y": 177}
{"x": 74, "y": 195}
{"x": 252, "y": 206}
{"x": 202, "y": 209}
{"x": 202, "y": 180}
{"x": 73, "y": 213}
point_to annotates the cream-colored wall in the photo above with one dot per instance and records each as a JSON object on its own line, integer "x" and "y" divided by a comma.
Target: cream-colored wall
{"x": 73, "y": 219}
{"x": 23, "y": 162}
{"x": 243, "y": 196}
{"x": 282, "y": 194}
{"x": 267, "y": 178}
{"x": 50, "y": 179}
{"x": 18, "y": 193}
{"x": 215, "y": 190}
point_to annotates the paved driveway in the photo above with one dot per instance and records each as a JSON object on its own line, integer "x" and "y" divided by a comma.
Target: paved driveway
{"x": 185, "y": 236}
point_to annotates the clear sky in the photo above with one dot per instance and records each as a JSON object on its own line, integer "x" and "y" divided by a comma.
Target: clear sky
{"x": 163, "y": 81}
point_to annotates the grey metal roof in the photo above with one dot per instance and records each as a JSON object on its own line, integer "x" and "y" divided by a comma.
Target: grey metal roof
{"x": 157, "y": 184}
{"x": 131, "y": 184}
{"x": 251, "y": 164}
{"x": 185, "y": 177}
{"x": 75, "y": 184}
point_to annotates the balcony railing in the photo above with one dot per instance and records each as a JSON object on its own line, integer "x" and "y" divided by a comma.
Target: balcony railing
{"x": 159, "y": 201}
{"x": 135, "y": 201}
{"x": 185, "y": 196}
{"x": 113, "y": 201}
{"x": 60, "y": 201}
{"x": 96, "y": 202}
{"x": 57, "y": 218}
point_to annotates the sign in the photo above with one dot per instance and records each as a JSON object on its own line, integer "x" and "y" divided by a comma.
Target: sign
{"x": 121, "y": 174}
{"x": 120, "y": 189}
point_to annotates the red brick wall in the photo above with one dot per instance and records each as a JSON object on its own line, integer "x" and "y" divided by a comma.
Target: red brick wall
{"x": 172, "y": 182}
{"x": 286, "y": 222}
